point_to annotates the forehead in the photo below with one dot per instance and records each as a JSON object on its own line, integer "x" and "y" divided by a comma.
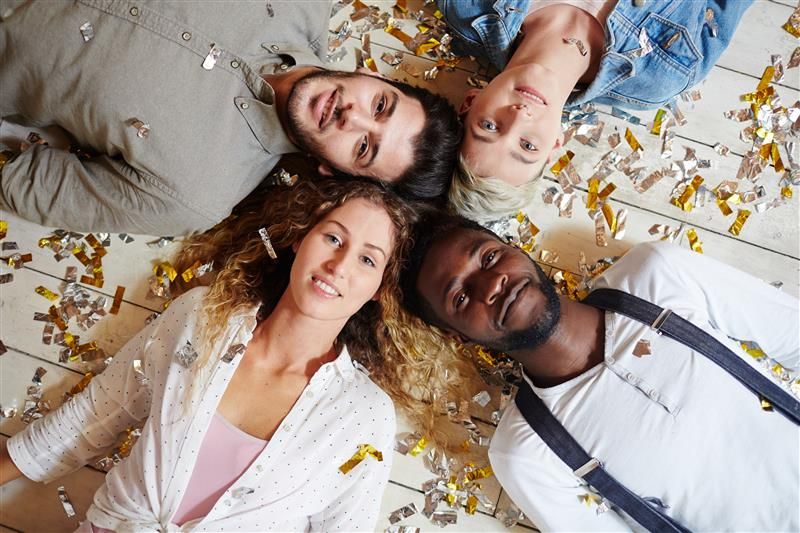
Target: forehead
{"x": 365, "y": 222}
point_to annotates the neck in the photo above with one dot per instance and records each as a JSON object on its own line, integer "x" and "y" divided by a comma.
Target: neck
{"x": 575, "y": 346}
{"x": 282, "y": 86}
{"x": 288, "y": 341}
{"x": 542, "y": 43}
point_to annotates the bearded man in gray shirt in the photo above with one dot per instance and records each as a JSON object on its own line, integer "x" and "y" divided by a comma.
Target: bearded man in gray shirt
{"x": 182, "y": 108}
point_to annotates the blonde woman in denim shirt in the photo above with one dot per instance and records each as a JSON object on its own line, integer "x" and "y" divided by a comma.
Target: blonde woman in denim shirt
{"x": 556, "y": 54}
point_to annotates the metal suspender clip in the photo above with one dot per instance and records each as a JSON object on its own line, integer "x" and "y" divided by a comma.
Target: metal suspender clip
{"x": 658, "y": 322}
{"x": 588, "y": 467}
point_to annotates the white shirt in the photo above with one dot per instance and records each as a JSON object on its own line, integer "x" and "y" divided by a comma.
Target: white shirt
{"x": 670, "y": 425}
{"x": 293, "y": 485}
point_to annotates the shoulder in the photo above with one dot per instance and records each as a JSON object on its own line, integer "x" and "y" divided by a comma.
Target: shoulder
{"x": 649, "y": 261}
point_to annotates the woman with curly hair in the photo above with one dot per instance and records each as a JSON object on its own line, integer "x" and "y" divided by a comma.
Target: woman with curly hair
{"x": 257, "y": 391}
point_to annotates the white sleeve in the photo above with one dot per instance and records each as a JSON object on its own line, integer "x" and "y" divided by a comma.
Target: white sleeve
{"x": 545, "y": 489}
{"x": 357, "y": 507}
{"x": 90, "y": 422}
{"x": 739, "y": 305}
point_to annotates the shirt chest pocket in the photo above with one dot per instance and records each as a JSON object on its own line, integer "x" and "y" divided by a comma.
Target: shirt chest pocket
{"x": 664, "y": 57}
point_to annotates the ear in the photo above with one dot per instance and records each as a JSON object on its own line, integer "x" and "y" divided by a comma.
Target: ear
{"x": 468, "y": 100}
{"x": 369, "y": 72}
{"x": 325, "y": 170}
{"x": 295, "y": 246}
{"x": 559, "y": 141}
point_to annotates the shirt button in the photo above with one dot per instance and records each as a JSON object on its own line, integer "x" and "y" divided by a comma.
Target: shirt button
{"x": 652, "y": 393}
{"x": 629, "y": 376}
{"x": 134, "y": 11}
{"x": 244, "y": 105}
{"x": 275, "y": 47}
{"x": 609, "y": 361}
{"x": 186, "y": 36}
{"x": 310, "y": 394}
{"x": 287, "y": 428}
{"x": 235, "y": 64}
{"x": 639, "y": 3}
{"x": 284, "y": 66}
{"x": 259, "y": 468}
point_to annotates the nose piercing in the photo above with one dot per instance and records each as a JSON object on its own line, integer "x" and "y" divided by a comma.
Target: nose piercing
{"x": 520, "y": 106}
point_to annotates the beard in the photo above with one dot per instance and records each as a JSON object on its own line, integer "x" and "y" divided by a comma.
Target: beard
{"x": 537, "y": 332}
{"x": 299, "y": 133}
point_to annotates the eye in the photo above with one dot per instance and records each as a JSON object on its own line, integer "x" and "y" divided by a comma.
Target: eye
{"x": 381, "y": 107}
{"x": 333, "y": 239}
{"x": 362, "y": 148}
{"x": 527, "y": 146}
{"x": 367, "y": 261}
{"x": 487, "y": 125}
{"x": 460, "y": 299}
{"x": 489, "y": 259}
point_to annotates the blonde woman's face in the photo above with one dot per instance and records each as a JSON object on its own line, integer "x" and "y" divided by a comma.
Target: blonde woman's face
{"x": 340, "y": 263}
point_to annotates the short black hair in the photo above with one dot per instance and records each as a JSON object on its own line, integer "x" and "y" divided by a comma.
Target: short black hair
{"x": 432, "y": 227}
{"x": 435, "y": 148}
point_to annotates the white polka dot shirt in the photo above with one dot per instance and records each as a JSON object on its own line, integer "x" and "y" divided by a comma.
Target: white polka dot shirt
{"x": 293, "y": 485}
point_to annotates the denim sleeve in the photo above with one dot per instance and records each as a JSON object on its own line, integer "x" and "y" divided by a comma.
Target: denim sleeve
{"x": 484, "y": 28}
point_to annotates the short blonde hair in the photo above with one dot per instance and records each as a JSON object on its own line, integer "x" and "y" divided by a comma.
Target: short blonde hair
{"x": 486, "y": 199}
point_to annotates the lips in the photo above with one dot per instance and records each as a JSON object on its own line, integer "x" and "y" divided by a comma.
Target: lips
{"x": 326, "y": 287}
{"x": 531, "y": 95}
{"x": 323, "y": 108}
{"x": 511, "y": 297}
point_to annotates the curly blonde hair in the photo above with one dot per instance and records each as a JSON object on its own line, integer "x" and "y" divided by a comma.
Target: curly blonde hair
{"x": 410, "y": 364}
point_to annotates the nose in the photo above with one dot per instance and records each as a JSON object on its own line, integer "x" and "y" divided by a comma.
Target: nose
{"x": 354, "y": 118}
{"x": 492, "y": 286}
{"x": 336, "y": 265}
{"x": 520, "y": 112}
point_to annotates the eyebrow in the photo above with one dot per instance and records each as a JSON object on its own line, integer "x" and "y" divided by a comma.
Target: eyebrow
{"x": 387, "y": 115}
{"x": 473, "y": 252}
{"x": 367, "y": 245}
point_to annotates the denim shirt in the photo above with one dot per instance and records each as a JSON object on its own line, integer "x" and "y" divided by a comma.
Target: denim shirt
{"x": 685, "y": 45}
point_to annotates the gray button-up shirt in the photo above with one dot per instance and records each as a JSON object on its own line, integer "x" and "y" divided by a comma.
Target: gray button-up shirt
{"x": 169, "y": 94}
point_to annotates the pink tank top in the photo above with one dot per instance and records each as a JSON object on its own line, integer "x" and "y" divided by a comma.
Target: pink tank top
{"x": 225, "y": 454}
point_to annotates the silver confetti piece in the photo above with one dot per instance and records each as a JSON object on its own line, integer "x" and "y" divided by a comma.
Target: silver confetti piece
{"x": 6, "y": 278}
{"x": 65, "y": 502}
{"x": 403, "y": 513}
{"x": 239, "y": 492}
{"x": 212, "y": 57}
{"x": 186, "y": 355}
{"x": 142, "y": 129}
{"x": 87, "y": 31}
{"x": 267, "y": 243}
{"x": 8, "y": 411}
{"x": 599, "y": 229}
{"x": 138, "y": 372}
{"x": 402, "y": 529}
{"x": 642, "y": 348}
{"x": 10, "y": 245}
{"x": 444, "y": 518}
{"x": 232, "y": 352}
{"x": 482, "y": 398}
{"x": 578, "y": 43}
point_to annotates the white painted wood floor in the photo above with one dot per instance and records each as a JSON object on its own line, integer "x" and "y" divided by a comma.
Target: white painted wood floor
{"x": 767, "y": 247}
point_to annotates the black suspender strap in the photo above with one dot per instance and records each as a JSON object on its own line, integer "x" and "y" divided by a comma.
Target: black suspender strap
{"x": 590, "y": 470}
{"x": 558, "y": 439}
{"x": 673, "y": 326}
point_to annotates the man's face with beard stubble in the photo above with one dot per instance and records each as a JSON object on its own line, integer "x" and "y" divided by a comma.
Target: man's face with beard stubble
{"x": 488, "y": 291}
{"x": 355, "y": 123}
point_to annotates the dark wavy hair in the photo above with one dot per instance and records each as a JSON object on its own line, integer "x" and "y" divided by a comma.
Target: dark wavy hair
{"x": 435, "y": 148}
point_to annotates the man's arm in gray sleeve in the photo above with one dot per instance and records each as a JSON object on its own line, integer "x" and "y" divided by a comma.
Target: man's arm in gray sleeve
{"x": 54, "y": 187}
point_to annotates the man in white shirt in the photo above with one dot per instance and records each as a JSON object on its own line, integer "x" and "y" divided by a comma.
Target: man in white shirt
{"x": 671, "y": 425}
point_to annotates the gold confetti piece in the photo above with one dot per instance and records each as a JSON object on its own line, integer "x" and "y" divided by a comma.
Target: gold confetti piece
{"x": 633, "y": 142}
{"x": 657, "y": 121}
{"x": 737, "y": 225}
{"x": 588, "y": 499}
{"x": 165, "y": 268}
{"x": 47, "y": 293}
{"x": 64, "y": 498}
{"x": 363, "y": 451}
{"x": 485, "y": 357}
{"x": 267, "y": 243}
{"x": 471, "y": 505}
{"x": 611, "y": 219}
{"x": 418, "y": 448}
{"x": 81, "y": 385}
{"x": 94, "y": 282}
{"x": 793, "y": 24}
{"x": 3, "y": 229}
{"x": 776, "y": 159}
{"x": 591, "y": 197}
{"x": 766, "y": 405}
{"x": 405, "y": 38}
{"x": 724, "y": 207}
{"x": 188, "y": 274}
{"x": 694, "y": 241}
{"x": 117, "y": 300}
{"x": 562, "y": 162}
{"x": 684, "y": 200}
{"x": 642, "y": 348}
{"x": 786, "y": 192}
{"x": 766, "y": 78}
{"x": 606, "y": 192}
